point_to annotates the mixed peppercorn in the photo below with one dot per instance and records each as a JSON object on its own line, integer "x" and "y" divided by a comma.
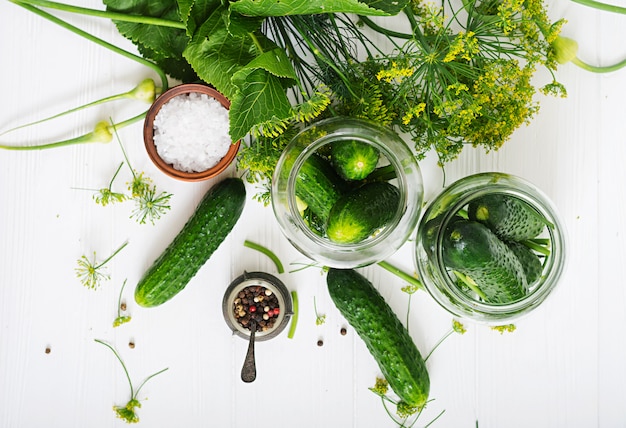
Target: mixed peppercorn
{"x": 256, "y": 303}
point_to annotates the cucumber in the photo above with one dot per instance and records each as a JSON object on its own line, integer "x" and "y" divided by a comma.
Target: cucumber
{"x": 384, "y": 335}
{"x": 530, "y": 261}
{"x": 353, "y": 159}
{"x": 214, "y": 218}
{"x": 473, "y": 249}
{"x": 362, "y": 211}
{"x": 318, "y": 186}
{"x": 507, "y": 216}
{"x": 431, "y": 228}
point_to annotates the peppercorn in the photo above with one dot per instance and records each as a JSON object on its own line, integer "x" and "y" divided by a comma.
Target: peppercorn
{"x": 254, "y": 302}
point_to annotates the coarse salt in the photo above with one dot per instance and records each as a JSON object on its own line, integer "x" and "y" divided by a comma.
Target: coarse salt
{"x": 191, "y": 132}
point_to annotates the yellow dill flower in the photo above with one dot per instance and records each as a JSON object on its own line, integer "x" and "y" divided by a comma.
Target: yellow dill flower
{"x": 465, "y": 46}
{"x": 381, "y": 386}
{"x": 458, "y": 327}
{"x": 509, "y": 328}
{"x": 413, "y": 112}
{"x": 395, "y": 73}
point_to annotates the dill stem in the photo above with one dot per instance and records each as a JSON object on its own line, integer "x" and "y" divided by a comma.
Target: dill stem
{"x": 134, "y": 397}
{"x": 112, "y": 255}
{"x": 119, "y": 300}
{"x": 130, "y": 384}
{"x": 443, "y": 338}
{"x": 113, "y": 179}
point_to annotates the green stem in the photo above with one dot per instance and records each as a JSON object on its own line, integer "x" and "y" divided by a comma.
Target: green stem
{"x": 119, "y": 141}
{"x": 72, "y": 110}
{"x": 267, "y": 252}
{"x": 443, "y": 338}
{"x": 96, "y": 40}
{"x": 132, "y": 394}
{"x": 134, "y": 397}
{"x": 599, "y": 69}
{"x": 119, "y": 299}
{"x": 384, "y": 173}
{"x": 256, "y": 42}
{"x": 467, "y": 281}
{"x": 294, "y": 317}
{"x": 116, "y": 16}
{"x": 111, "y": 256}
{"x": 400, "y": 273}
{"x": 541, "y": 249}
{"x": 379, "y": 29}
{"x": 83, "y": 139}
{"x": 602, "y": 6}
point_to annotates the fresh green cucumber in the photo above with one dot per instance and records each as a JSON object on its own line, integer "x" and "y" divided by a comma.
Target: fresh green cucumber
{"x": 318, "y": 186}
{"x": 362, "y": 211}
{"x": 530, "y": 261}
{"x": 473, "y": 249}
{"x": 353, "y": 159}
{"x": 384, "y": 335}
{"x": 214, "y": 218}
{"x": 507, "y": 216}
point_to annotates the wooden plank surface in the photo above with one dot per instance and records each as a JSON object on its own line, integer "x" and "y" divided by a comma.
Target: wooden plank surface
{"x": 562, "y": 367}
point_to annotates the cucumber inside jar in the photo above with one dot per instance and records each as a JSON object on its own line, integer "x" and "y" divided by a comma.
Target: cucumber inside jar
{"x": 495, "y": 248}
{"x": 346, "y": 191}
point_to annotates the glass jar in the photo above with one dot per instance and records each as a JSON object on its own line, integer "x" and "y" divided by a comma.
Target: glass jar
{"x": 452, "y": 289}
{"x": 395, "y": 157}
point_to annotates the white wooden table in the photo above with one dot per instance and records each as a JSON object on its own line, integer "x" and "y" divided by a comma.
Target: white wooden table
{"x": 562, "y": 367}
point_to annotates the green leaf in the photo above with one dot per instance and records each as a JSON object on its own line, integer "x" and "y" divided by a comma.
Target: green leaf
{"x": 215, "y": 59}
{"x": 162, "y": 45}
{"x": 275, "y": 62}
{"x": 305, "y": 7}
{"x": 392, "y": 7}
{"x": 262, "y": 97}
{"x": 194, "y": 13}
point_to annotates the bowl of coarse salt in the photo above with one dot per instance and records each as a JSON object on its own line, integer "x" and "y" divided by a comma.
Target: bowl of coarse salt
{"x": 186, "y": 132}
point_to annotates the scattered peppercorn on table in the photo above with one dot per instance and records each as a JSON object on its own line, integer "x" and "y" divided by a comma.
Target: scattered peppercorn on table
{"x": 81, "y": 224}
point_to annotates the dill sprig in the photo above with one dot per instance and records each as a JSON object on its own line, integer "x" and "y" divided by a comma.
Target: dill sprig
{"x": 128, "y": 411}
{"x": 90, "y": 273}
{"x": 150, "y": 206}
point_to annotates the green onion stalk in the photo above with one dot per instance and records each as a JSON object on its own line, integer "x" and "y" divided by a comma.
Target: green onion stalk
{"x": 146, "y": 90}
{"x": 602, "y": 6}
{"x": 566, "y": 50}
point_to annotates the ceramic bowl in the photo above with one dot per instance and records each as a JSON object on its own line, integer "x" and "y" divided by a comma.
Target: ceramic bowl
{"x": 148, "y": 134}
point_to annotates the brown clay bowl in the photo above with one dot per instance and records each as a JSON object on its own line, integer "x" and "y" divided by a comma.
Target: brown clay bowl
{"x": 148, "y": 134}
